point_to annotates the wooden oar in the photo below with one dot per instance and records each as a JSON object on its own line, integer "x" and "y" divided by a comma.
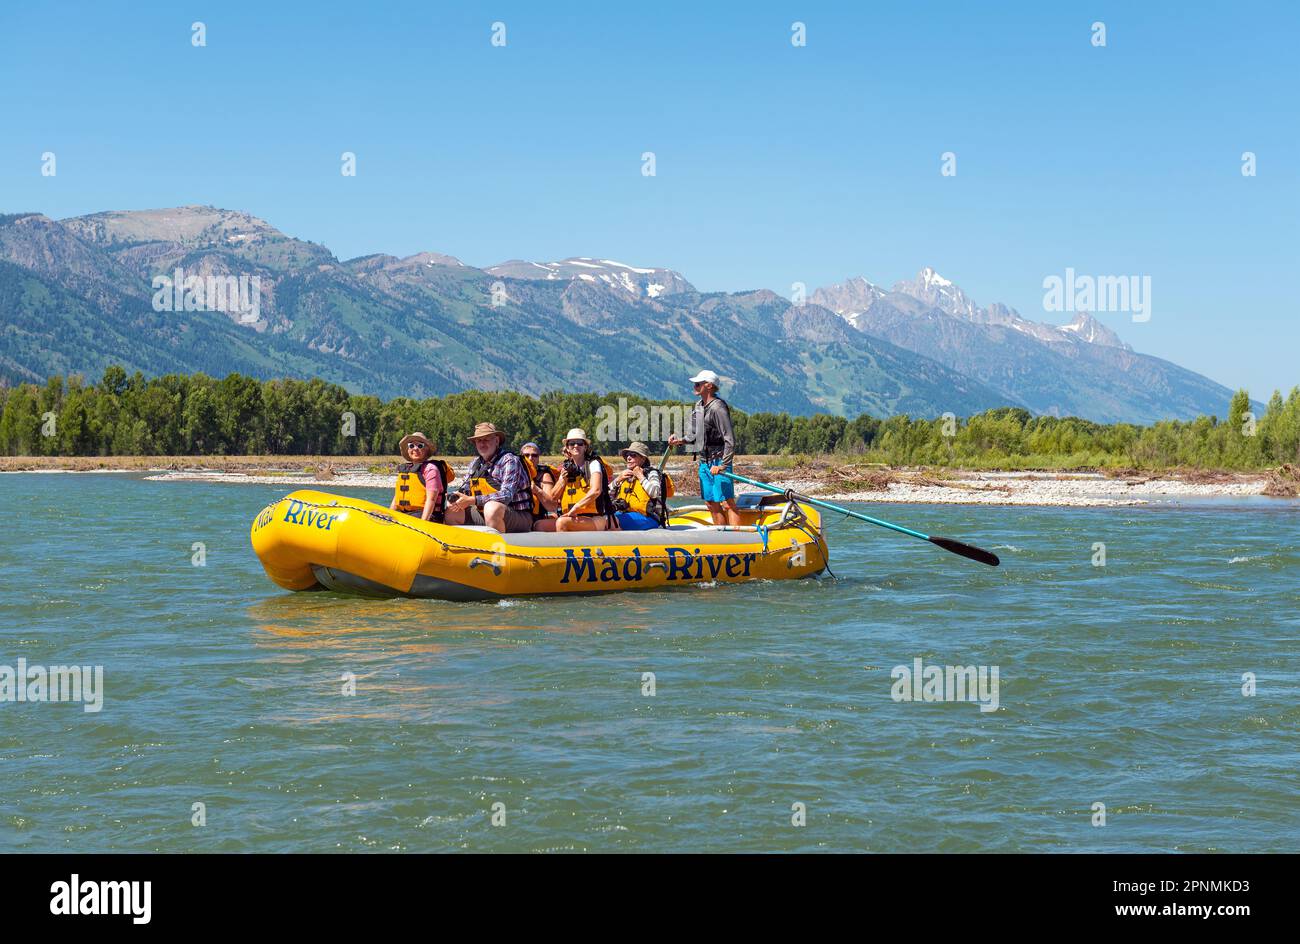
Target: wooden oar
{"x": 663, "y": 497}
{"x": 948, "y": 544}
{"x": 663, "y": 463}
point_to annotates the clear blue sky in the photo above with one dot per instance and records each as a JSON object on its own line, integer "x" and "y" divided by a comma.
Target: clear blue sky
{"x": 775, "y": 164}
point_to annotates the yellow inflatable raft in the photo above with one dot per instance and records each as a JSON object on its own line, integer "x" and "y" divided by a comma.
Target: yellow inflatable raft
{"x": 311, "y": 540}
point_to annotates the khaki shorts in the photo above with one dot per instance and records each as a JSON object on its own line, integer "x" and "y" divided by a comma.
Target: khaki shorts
{"x": 516, "y": 520}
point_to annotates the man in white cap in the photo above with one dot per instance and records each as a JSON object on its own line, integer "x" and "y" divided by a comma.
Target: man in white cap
{"x": 710, "y": 435}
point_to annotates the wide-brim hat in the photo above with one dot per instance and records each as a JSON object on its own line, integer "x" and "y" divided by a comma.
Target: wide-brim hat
{"x": 414, "y": 437}
{"x": 577, "y": 433}
{"x": 638, "y": 447}
{"x": 483, "y": 430}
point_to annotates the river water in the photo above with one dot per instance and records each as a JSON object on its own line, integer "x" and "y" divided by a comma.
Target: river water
{"x": 709, "y": 718}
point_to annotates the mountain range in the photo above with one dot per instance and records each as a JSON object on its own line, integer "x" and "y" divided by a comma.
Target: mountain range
{"x": 79, "y": 294}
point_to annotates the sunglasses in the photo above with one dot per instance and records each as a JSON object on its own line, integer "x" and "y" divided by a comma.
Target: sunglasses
{"x": 417, "y": 446}
{"x": 532, "y": 455}
{"x": 577, "y": 444}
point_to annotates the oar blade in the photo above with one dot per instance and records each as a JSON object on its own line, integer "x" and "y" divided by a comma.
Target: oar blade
{"x": 966, "y": 550}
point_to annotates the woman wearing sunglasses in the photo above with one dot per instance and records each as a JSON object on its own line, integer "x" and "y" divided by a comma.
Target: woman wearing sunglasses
{"x": 639, "y": 491}
{"x": 581, "y": 490}
{"x": 421, "y": 487}
{"x": 542, "y": 478}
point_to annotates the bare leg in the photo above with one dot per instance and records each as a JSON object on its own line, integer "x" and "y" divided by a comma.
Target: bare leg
{"x": 580, "y": 524}
{"x": 454, "y": 516}
{"x": 733, "y": 513}
{"x": 494, "y": 516}
{"x": 544, "y": 524}
{"x": 715, "y": 509}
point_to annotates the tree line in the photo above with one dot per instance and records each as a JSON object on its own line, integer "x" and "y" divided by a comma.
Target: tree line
{"x": 195, "y": 414}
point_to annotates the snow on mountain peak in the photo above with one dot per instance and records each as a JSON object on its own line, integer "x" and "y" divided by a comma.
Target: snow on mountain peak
{"x": 1087, "y": 328}
{"x": 856, "y": 298}
{"x": 640, "y": 282}
{"x": 934, "y": 278}
{"x": 933, "y": 289}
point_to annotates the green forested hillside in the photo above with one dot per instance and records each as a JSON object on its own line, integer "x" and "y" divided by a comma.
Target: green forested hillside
{"x": 198, "y": 415}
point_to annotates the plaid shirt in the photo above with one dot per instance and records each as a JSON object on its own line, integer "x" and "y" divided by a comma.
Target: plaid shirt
{"x": 513, "y": 488}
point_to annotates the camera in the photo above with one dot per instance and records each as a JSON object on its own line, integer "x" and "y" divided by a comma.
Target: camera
{"x": 571, "y": 469}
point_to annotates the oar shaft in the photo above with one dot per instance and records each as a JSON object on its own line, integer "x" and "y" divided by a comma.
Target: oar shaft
{"x": 948, "y": 544}
{"x": 828, "y": 506}
{"x": 663, "y": 463}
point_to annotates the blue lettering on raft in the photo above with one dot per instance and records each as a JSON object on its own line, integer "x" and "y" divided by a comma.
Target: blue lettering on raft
{"x": 578, "y": 568}
{"x": 296, "y": 513}
{"x": 682, "y": 565}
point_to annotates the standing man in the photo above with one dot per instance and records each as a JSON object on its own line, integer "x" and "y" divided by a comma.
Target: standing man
{"x": 496, "y": 491}
{"x": 710, "y": 432}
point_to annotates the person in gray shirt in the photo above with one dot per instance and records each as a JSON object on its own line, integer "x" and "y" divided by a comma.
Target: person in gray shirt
{"x": 712, "y": 440}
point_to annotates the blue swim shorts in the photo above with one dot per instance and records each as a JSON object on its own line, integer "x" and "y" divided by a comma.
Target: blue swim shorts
{"x": 715, "y": 488}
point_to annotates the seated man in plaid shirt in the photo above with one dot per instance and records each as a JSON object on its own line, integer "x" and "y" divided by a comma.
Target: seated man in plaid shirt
{"x": 496, "y": 491}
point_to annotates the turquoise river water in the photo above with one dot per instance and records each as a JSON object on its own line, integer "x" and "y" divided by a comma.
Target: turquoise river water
{"x": 773, "y": 703}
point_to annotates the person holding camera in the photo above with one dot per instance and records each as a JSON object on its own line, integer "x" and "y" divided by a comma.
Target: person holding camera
{"x": 638, "y": 492}
{"x": 581, "y": 490}
{"x": 496, "y": 492}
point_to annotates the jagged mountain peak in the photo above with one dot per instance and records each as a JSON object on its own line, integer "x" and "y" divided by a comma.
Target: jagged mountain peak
{"x": 931, "y": 277}
{"x": 933, "y": 289}
{"x": 849, "y": 297}
{"x": 430, "y": 259}
{"x": 640, "y": 281}
{"x": 421, "y": 260}
{"x": 930, "y": 292}
{"x": 1087, "y": 328}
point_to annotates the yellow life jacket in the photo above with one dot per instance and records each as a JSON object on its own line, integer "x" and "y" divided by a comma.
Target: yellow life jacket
{"x": 481, "y": 481}
{"x": 535, "y": 472}
{"x": 633, "y": 492}
{"x": 410, "y": 491}
{"x": 577, "y": 488}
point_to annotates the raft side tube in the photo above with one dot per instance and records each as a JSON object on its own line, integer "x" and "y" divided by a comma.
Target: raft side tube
{"x": 314, "y": 539}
